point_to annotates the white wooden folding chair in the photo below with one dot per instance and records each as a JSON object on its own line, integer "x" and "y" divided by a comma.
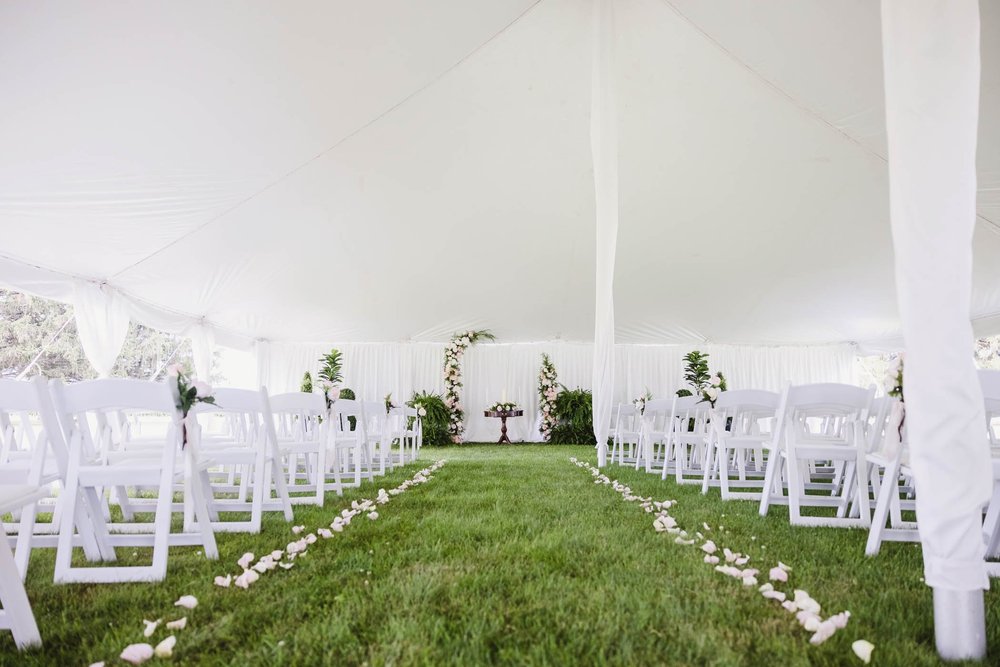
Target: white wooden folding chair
{"x": 33, "y": 452}
{"x": 740, "y": 431}
{"x": 93, "y": 465}
{"x": 249, "y": 444}
{"x": 16, "y": 615}
{"x": 350, "y": 447}
{"x": 688, "y": 438}
{"x": 887, "y": 459}
{"x": 819, "y": 445}
{"x": 376, "y": 430}
{"x": 302, "y": 436}
{"x": 626, "y": 434}
{"x": 403, "y": 425}
{"x": 989, "y": 382}
{"x": 652, "y": 427}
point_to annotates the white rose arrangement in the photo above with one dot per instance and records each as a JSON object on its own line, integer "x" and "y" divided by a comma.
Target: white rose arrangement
{"x": 548, "y": 392}
{"x": 453, "y": 353}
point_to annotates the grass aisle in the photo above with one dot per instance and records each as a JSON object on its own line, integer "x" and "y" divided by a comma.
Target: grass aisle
{"x": 512, "y": 556}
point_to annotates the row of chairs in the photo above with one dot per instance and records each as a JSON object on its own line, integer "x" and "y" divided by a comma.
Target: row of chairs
{"x": 81, "y": 466}
{"x": 830, "y": 452}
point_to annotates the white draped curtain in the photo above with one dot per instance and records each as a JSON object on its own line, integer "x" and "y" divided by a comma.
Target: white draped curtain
{"x": 492, "y": 370}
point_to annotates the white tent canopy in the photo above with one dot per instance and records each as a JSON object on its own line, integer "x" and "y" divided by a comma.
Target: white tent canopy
{"x": 344, "y": 172}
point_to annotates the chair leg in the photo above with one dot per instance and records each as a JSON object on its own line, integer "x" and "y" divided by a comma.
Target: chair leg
{"x": 25, "y": 531}
{"x": 203, "y": 517}
{"x": 769, "y": 474}
{"x": 16, "y": 608}
{"x": 709, "y": 465}
{"x": 874, "y": 543}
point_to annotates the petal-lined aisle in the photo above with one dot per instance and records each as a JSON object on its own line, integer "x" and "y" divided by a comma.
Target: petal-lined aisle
{"x": 511, "y": 555}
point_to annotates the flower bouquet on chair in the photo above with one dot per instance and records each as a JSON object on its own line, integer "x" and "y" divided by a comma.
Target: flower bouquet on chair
{"x": 187, "y": 392}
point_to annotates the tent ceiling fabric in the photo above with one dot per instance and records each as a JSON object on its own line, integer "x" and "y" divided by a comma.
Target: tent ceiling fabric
{"x": 336, "y": 171}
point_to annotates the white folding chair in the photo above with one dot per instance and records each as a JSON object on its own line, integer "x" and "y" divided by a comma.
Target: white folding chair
{"x": 16, "y": 615}
{"x": 376, "y": 430}
{"x": 94, "y": 465}
{"x": 989, "y": 381}
{"x": 302, "y": 434}
{"x": 740, "y": 430}
{"x": 33, "y": 452}
{"x": 887, "y": 460}
{"x": 688, "y": 438}
{"x": 250, "y": 444}
{"x": 626, "y": 434}
{"x": 819, "y": 445}
{"x": 351, "y": 451}
{"x": 652, "y": 425}
{"x": 403, "y": 425}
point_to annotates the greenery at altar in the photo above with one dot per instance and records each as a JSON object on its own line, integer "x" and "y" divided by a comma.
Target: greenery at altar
{"x": 436, "y": 419}
{"x": 574, "y": 411}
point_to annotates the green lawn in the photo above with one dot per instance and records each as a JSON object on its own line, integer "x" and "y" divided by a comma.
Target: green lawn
{"x": 510, "y": 555}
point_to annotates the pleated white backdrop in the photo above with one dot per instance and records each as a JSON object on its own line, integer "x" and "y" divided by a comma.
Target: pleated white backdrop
{"x": 373, "y": 370}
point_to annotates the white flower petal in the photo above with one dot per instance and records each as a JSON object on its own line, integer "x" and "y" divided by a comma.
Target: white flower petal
{"x": 373, "y": 515}
{"x": 709, "y": 547}
{"x": 287, "y": 566}
{"x": 165, "y": 649}
{"x": 298, "y": 529}
{"x": 224, "y": 581}
{"x": 150, "y": 627}
{"x": 136, "y": 653}
{"x": 863, "y": 649}
{"x": 187, "y": 601}
{"x": 179, "y": 624}
{"x": 778, "y": 574}
{"x": 245, "y": 560}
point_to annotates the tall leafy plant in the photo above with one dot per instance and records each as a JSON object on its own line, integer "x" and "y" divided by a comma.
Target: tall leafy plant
{"x": 436, "y": 417}
{"x": 696, "y": 371}
{"x": 332, "y": 364}
{"x": 574, "y": 417}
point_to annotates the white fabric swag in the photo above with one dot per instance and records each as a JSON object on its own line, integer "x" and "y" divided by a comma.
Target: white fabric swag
{"x": 101, "y": 324}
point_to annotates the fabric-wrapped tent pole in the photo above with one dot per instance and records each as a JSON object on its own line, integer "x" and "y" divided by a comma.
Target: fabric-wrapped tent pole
{"x": 604, "y": 149}
{"x": 101, "y": 324}
{"x": 931, "y": 60}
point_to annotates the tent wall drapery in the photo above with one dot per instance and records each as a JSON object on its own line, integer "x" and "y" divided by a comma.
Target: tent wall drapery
{"x": 376, "y": 369}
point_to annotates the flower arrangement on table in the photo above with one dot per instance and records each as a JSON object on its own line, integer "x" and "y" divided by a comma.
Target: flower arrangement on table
{"x": 548, "y": 391}
{"x": 640, "y": 403}
{"x": 190, "y": 391}
{"x": 453, "y": 353}
{"x": 503, "y": 406}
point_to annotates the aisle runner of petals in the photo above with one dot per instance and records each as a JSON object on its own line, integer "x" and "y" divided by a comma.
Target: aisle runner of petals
{"x": 279, "y": 558}
{"x": 806, "y": 609}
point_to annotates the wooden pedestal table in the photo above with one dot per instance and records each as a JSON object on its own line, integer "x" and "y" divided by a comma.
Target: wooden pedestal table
{"x": 503, "y": 422}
